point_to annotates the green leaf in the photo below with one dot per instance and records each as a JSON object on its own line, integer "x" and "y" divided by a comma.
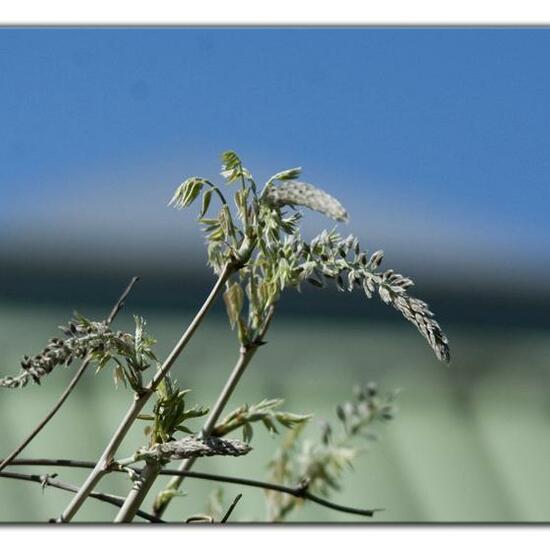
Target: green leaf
{"x": 195, "y": 412}
{"x": 187, "y": 192}
{"x": 289, "y": 420}
{"x": 269, "y": 424}
{"x": 232, "y": 168}
{"x": 147, "y": 417}
{"x": 210, "y": 221}
{"x": 248, "y": 432}
{"x": 234, "y": 299}
{"x": 216, "y": 233}
{"x": 286, "y": 175}
{"x": 206, "y": 198}
{"x": 118, "y": 375}
{"x": 166, "y": 496}
{"x": 185, "y": 429}
{"x": 230, "y": 160}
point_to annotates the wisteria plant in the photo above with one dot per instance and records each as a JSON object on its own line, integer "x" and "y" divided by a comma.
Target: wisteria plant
{"x": 255, "y": 248}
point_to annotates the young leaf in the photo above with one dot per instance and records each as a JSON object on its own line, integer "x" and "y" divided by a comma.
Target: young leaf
{"x": 187, "y": 192}
{"x": 206, "y": 198}
{"x": 234, "y": 298}
{"x": 287, "y": 175}
{"x": 248, "y": 432}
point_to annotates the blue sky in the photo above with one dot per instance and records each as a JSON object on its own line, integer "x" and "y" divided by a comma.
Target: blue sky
{"x": 436, "y": 140}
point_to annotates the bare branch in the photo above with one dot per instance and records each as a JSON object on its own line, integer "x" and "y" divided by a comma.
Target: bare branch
{"x": 120, "y": 302}
{"x": 298, "y": 492}
{"x": 40, "y": 426}
{"x": 46, "y": 480}
{"x": 231, "y": 508}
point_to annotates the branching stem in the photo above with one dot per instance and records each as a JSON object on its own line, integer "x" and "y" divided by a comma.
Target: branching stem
{"x": 102, "y": 466}
{"x": 139, "y": 490}
{"x": 245, "y": 356}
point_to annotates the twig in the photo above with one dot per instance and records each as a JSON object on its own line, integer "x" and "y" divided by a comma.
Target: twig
{"x": 40, "y": 426}
{"x": 120, "y": 303}
{"x": 47, "y": 480}
{"x": 61, "y": 462}
{"x": 231, "y": 508}
{"x": 245, "y": 356}
{"x": 299, "y": 492}
{"x": 103, "y": 463}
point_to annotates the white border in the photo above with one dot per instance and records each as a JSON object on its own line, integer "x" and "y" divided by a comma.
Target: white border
{"x": 281, "y": 12}
{"x": 277, "y": 12}
{"x": 244, "y": 538}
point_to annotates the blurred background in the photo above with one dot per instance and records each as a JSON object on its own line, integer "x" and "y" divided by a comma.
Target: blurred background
{"x": 436, "y": 141}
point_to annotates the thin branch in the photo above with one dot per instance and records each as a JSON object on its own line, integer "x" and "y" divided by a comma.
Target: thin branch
{"x": 47, "y": 480}
{"x": 231, "y": 508}
{"x": 61, "y": 462}
{"x": 102, "y": 465}
{"x": 120, "y": 302}
{"x": 40, "y": 426}
{"x": 299, "y": 492}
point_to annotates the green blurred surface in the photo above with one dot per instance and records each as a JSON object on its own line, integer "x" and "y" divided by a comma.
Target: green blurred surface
{"x": 470, "y": 442}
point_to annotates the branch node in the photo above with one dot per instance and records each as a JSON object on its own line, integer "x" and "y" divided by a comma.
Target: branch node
{"x": 302, "y": 488}
{"x": 45, "y": 480}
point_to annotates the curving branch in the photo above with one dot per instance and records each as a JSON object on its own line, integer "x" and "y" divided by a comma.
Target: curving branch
{"x": 46, "y": 480}
{"x": 40, "y": 426}
{"x": 299, "y": 491}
